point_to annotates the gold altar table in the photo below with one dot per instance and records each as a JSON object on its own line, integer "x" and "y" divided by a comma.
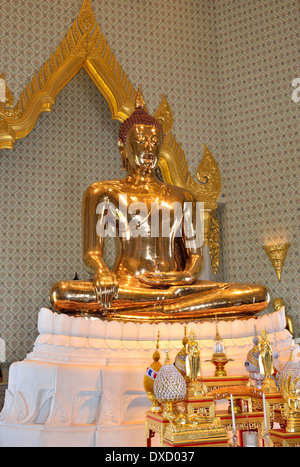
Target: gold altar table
{"x": 214, "y": 382}
{"x": 280, "y": 438}
{"x": 156, "y": 423}
{"x": 220, "y": 441}
{"x": 250, "y": 421}
{"x": 203, "y": 405}
{"x": 276, "y": 408}
{"x": 244, "y": 421}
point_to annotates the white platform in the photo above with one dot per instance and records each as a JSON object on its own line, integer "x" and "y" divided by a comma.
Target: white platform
{"x": 82, "y": 385}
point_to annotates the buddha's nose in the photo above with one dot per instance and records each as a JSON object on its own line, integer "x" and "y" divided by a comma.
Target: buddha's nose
{"x": 147, "y": 146}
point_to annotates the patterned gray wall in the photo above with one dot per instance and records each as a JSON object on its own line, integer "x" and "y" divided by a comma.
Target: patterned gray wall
{"x": 258, "y": 153}
{"x": 226, "y": 69}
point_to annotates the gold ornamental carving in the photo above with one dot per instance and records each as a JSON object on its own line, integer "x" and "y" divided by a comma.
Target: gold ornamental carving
{"x": 277, "y": 255}
{"x": 84, "y": 46}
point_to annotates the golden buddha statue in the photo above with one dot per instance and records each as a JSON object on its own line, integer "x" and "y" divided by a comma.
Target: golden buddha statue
{"x": 266, "y": 363}
{"x": 278, "y": 303}
{"x": 159, "y": 258}
{"x": 265, "y": 360}
{"x": 193, "y": 370}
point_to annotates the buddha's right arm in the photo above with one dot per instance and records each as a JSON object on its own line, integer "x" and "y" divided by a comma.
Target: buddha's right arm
{"x": 105, "y": 281}
{"x": 93, "y": 210}
{"x": 92, "y": 243}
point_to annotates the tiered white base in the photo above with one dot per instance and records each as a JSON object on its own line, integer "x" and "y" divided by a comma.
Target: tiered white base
{"x": 82, "y": 385}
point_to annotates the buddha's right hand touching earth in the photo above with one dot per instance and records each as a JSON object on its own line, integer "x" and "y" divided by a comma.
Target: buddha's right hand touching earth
{"x": 106, "y": 287}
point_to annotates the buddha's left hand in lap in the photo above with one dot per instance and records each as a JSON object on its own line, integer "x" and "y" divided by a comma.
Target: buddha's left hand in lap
{"x": 167, "y": 278}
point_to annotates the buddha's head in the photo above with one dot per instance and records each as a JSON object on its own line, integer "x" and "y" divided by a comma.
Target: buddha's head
{"x": 140, "y": 138}
{"x": 192, "y": 336}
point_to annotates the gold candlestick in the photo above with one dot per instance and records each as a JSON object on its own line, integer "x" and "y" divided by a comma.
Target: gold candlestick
{"x": 277, "y": 255}
{"x": 220, "y": 363}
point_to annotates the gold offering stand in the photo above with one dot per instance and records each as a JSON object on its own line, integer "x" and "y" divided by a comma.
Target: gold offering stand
{"x": 192, "y": 421}
{"x": 248, "y": 411}
{"x": 220, "y": 363}
{"x": 203, "y": 408}
{"x": 251, "y": 415}
{"x": 219, "y": 358}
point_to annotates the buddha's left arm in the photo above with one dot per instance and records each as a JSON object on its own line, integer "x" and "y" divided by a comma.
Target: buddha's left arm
{"x": 192, "y": 233}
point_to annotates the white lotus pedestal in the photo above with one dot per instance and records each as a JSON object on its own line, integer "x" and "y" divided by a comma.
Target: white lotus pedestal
{"x": 82, "y": 385}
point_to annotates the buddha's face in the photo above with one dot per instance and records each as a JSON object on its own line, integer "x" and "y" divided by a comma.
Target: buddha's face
{"x": 143, "y": 146}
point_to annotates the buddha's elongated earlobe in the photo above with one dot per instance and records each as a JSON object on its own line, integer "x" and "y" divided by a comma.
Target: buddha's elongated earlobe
{"x": 123, "y": 154}
{"x": 124, "y": 163}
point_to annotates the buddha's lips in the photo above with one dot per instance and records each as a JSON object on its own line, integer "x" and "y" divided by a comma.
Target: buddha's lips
{"x": 150, "y": 158}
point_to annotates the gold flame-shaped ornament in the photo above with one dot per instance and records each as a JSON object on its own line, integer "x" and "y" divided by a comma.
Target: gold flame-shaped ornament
{"x": 277, "y": 255}
{"x": 139, "y": 101}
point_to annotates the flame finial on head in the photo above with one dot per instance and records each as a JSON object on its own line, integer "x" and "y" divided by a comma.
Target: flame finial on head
{"x": 139, "y": 101}
{"x": 139, "y": 116}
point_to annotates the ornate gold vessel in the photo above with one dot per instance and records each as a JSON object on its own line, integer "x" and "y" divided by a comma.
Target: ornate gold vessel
{"x": 219, "y": 358}
{"x": 169, "y": 387}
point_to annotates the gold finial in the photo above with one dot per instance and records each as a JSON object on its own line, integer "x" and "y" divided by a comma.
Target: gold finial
{"x": 86, "y": 18}
{"x": 167, "y": 359}
{"x": 292, "y": 347}
{"x": 139, "y": 101}
{"x": 217, "y": 328}
{"x": 185, "y": 339}
{"x": 156, "y": 355}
